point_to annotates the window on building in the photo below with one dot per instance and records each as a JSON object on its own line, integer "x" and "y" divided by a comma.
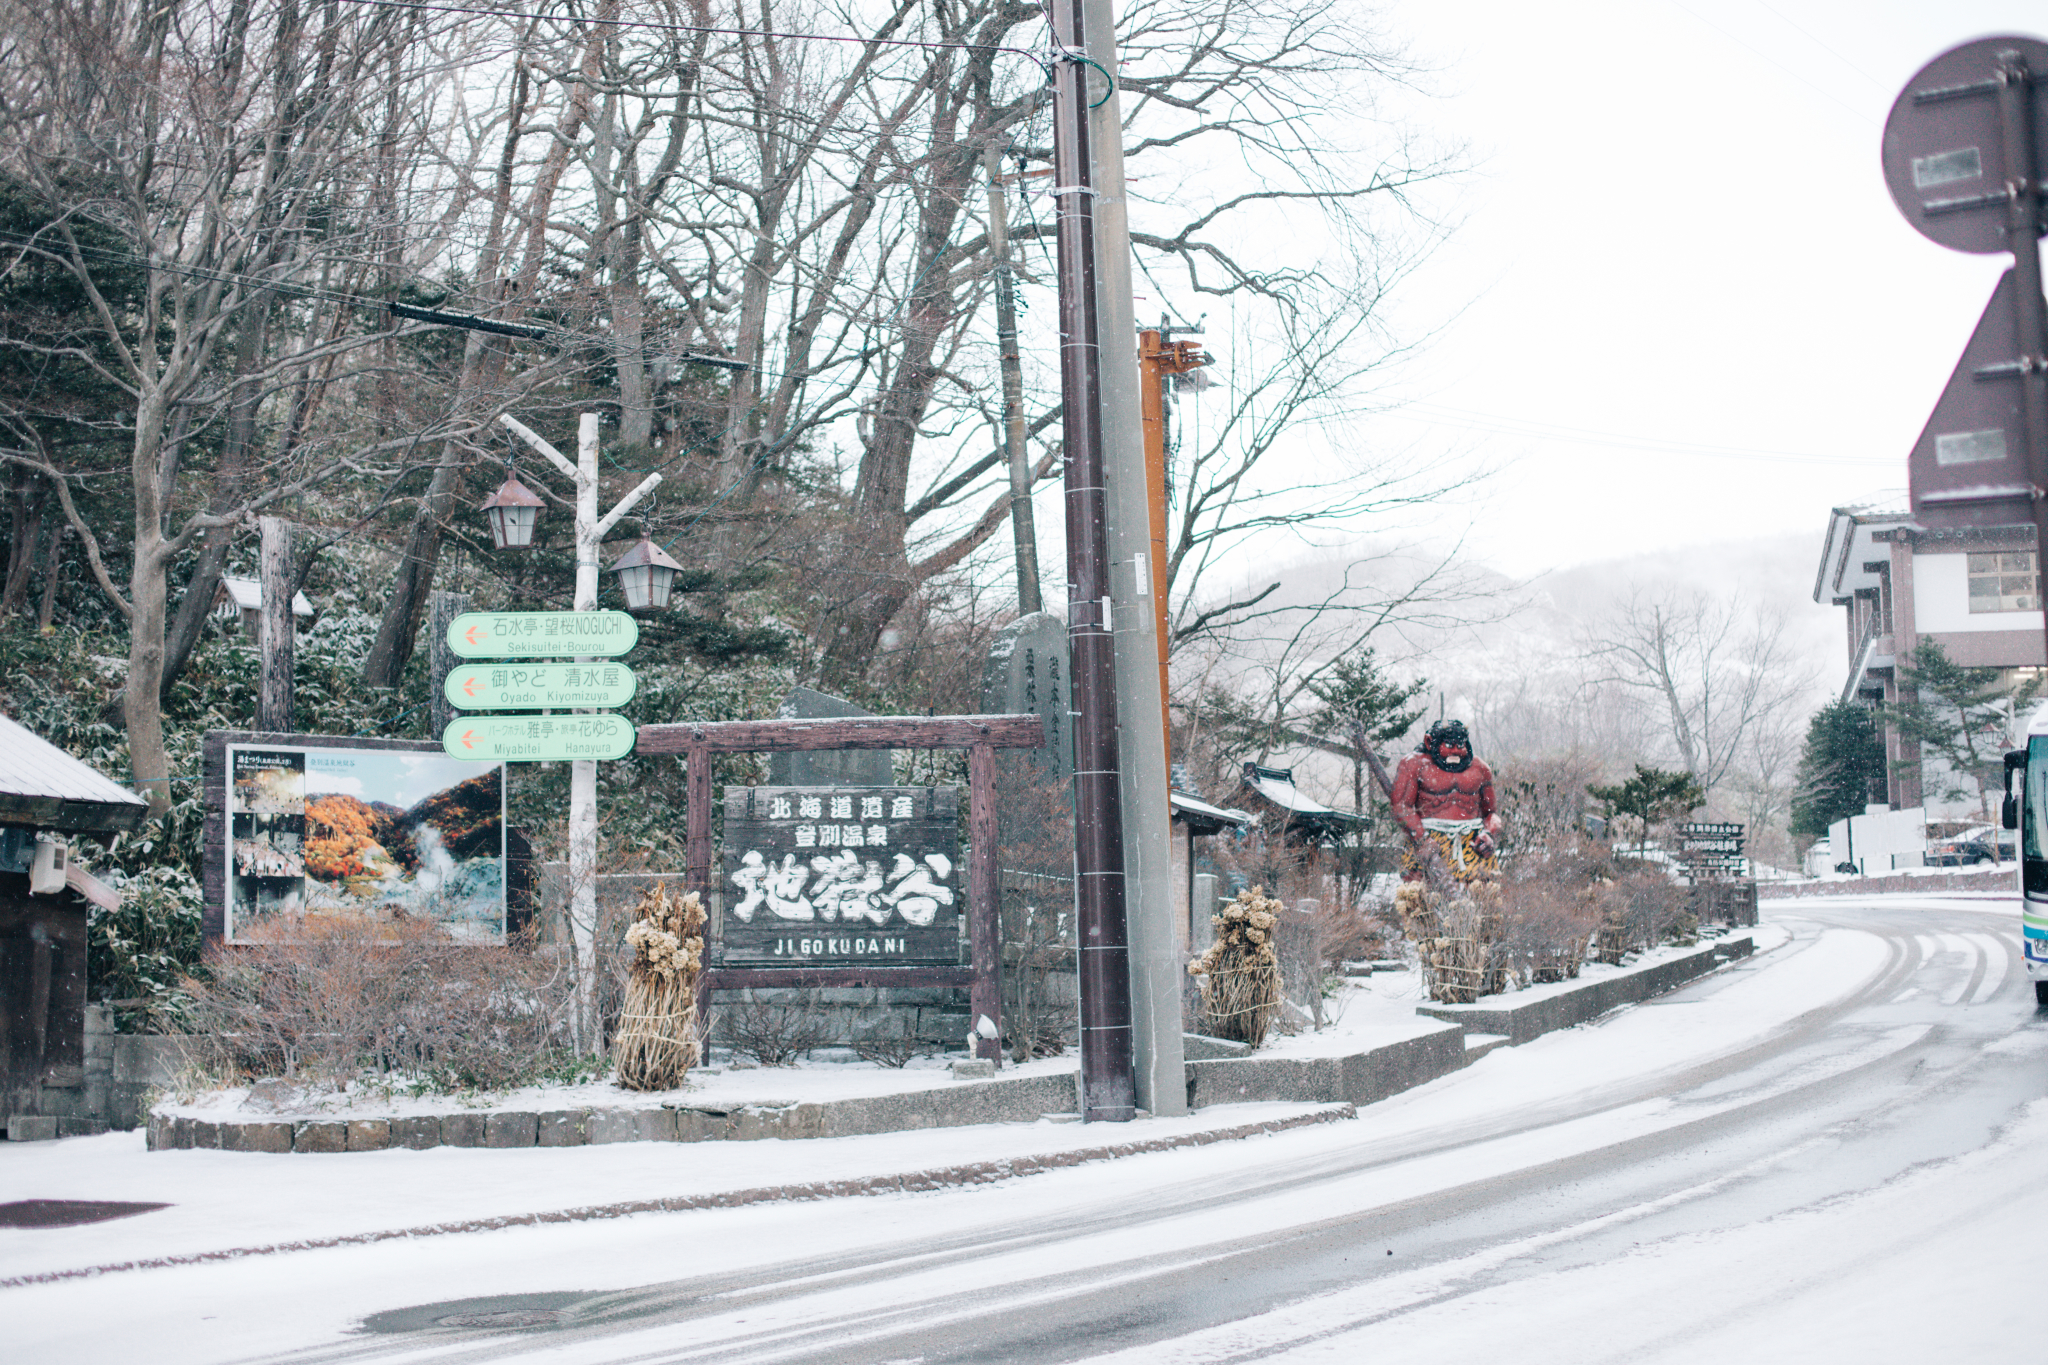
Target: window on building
{"x": 2004, "y": 581}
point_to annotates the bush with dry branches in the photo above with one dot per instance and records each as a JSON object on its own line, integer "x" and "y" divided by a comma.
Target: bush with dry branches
{"x": 1640, "y": 909}
{"x": 774, "y": 1027}
{"x": 333, "y": 1001}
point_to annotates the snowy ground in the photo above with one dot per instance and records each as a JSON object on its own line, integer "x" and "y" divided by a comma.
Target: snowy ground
{"x": 228, "y": 1200}
{"x": 222, "y": 1201}
{"x": 1730, "y": 1103}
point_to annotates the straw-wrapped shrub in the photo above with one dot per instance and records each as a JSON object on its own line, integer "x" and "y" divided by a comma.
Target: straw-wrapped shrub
{"x": 1241, "y": 971}
{"x": 1457, "y": 940}
{"x": 656, "y": 1042}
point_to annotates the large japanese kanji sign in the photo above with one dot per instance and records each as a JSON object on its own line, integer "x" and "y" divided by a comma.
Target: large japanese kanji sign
{"x": 825, "y": 876}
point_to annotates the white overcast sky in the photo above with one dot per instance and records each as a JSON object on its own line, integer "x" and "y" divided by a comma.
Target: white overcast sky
{"x": 1685, "y": 307}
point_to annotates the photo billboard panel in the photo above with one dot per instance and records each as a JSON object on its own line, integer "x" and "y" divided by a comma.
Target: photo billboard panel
{"x": 353, "y": 833}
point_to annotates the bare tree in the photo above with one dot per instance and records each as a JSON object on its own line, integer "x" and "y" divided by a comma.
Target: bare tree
{"x": 1763, "y": 782}
{"x": 818, "y": 228}
{"x": 515, "y": 250}
{"x": 1718, "y": 672}
{"x": 194, "y": 168}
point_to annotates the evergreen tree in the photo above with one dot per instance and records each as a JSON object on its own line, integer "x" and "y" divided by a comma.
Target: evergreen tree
{"x": 1651, "y": 796}
{"x": 1841, "y": 770}
{"x": 1963, "y": 716}
{"x": 1361, "y": 706}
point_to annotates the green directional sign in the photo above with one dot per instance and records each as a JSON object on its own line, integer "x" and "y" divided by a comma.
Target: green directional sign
{"x": 521, "y": 686}
{"x": 542, "y": 634}
{"x": 537, "y": 739}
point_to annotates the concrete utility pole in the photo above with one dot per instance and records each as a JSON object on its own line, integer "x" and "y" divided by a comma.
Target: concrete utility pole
{"x": 1961, "y": 157}
{"x": 276, "y": 628}
{"x": 1023, "y": 527}
{"x": 1157, "y": 976}
{"x": 590, "y": 533}
{"x": 2023, "y": 230}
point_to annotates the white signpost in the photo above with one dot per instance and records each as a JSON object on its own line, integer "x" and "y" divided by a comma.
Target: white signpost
{"x": 590, "y": 533}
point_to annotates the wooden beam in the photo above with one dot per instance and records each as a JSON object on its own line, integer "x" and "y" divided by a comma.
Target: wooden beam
{"x": 984, "y": 905}
{"x": 853, "y": 732}
{"x": 697, "y": 873}
{"x": 276, "y": 630}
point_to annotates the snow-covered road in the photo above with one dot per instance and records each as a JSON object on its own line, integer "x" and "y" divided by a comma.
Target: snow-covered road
{"x": 1832, "y": 1151}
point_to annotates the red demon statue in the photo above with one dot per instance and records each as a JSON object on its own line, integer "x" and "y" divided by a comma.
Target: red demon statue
{"x": 1443, "y": 793}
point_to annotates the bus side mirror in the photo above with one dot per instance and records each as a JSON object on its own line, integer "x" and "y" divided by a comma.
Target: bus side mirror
{"x": 2009, "y": 809}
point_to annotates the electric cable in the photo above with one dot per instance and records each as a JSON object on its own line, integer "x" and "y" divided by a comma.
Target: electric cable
{"x": 662, "y": 27}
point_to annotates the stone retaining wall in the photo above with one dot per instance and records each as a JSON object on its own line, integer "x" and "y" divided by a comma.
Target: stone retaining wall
{"x": 1520, "y": 1023}
{"x": 1359, "y": 1078}
{"x": 1468, "y": 1032}
{"x": 1997, "y": 879}
{"x": 1007, "y": 1099}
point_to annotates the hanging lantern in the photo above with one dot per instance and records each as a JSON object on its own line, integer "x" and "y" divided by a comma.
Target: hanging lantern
{"x": 513, "y": 509}
{"x": 646, "y": 574}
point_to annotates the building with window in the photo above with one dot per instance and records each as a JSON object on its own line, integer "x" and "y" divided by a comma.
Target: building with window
{"x": 1977, "y": 592}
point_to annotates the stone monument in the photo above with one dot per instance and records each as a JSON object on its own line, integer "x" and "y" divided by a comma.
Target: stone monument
{"x": 828, "y": 767}
{"x": 1027, "y": 672}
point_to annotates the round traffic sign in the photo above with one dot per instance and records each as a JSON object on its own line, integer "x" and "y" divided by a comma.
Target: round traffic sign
{"x": 1944, "y": 148}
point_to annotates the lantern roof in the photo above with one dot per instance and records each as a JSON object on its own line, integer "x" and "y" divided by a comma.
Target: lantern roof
{"x": 512, "y": 493}
{"x": 645, "y": 551}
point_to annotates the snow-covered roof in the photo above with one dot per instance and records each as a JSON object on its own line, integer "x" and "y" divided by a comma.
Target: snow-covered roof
{"x": 1277, "y": 786}
{"x": 1201, "y": 817}
{"x": 1849, "y": 547}
{"x": 247, "y": 593}
{"x": 41, "y": 785}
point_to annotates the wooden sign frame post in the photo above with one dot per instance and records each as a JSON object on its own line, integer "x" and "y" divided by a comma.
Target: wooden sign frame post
{"x": 981, "y": 736}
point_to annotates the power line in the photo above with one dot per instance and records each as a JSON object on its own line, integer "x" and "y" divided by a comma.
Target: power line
{"x": 658, "y": 26}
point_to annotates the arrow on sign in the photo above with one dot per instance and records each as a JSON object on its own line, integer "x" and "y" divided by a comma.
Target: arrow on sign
{"x": 470, "y": 685}
{"x": 542, "y": 634}
{"x": 469, "y": 739}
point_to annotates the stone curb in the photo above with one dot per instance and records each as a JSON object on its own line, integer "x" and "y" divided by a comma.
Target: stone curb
{"x": 1005, "y": 1099}
{"x": 1524, "y": 1023}
{"x": 944, "y": 1177}
{"x": 1469, "y": 1033}
{"x": 1356, "y": 1078}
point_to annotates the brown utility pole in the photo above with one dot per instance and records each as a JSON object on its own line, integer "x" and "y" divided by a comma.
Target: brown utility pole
{"x": 1023, "y": 527}
{"x": 1158, "y": 357}
{"x": 443, "y": 608}
{"x": 1108, "y": 1082}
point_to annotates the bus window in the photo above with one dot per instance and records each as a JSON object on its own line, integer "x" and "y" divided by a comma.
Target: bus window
{"x": 2034, "y": 810}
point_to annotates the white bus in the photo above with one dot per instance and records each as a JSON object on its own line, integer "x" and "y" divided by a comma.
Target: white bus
{"x": 2027, "y": 811}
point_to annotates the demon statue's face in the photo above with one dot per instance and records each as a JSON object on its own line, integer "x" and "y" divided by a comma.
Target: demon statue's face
{"x": 1448, "y": 746}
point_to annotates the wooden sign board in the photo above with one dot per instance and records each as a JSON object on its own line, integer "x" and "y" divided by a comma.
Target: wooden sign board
{"x": 842, "y": 876}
